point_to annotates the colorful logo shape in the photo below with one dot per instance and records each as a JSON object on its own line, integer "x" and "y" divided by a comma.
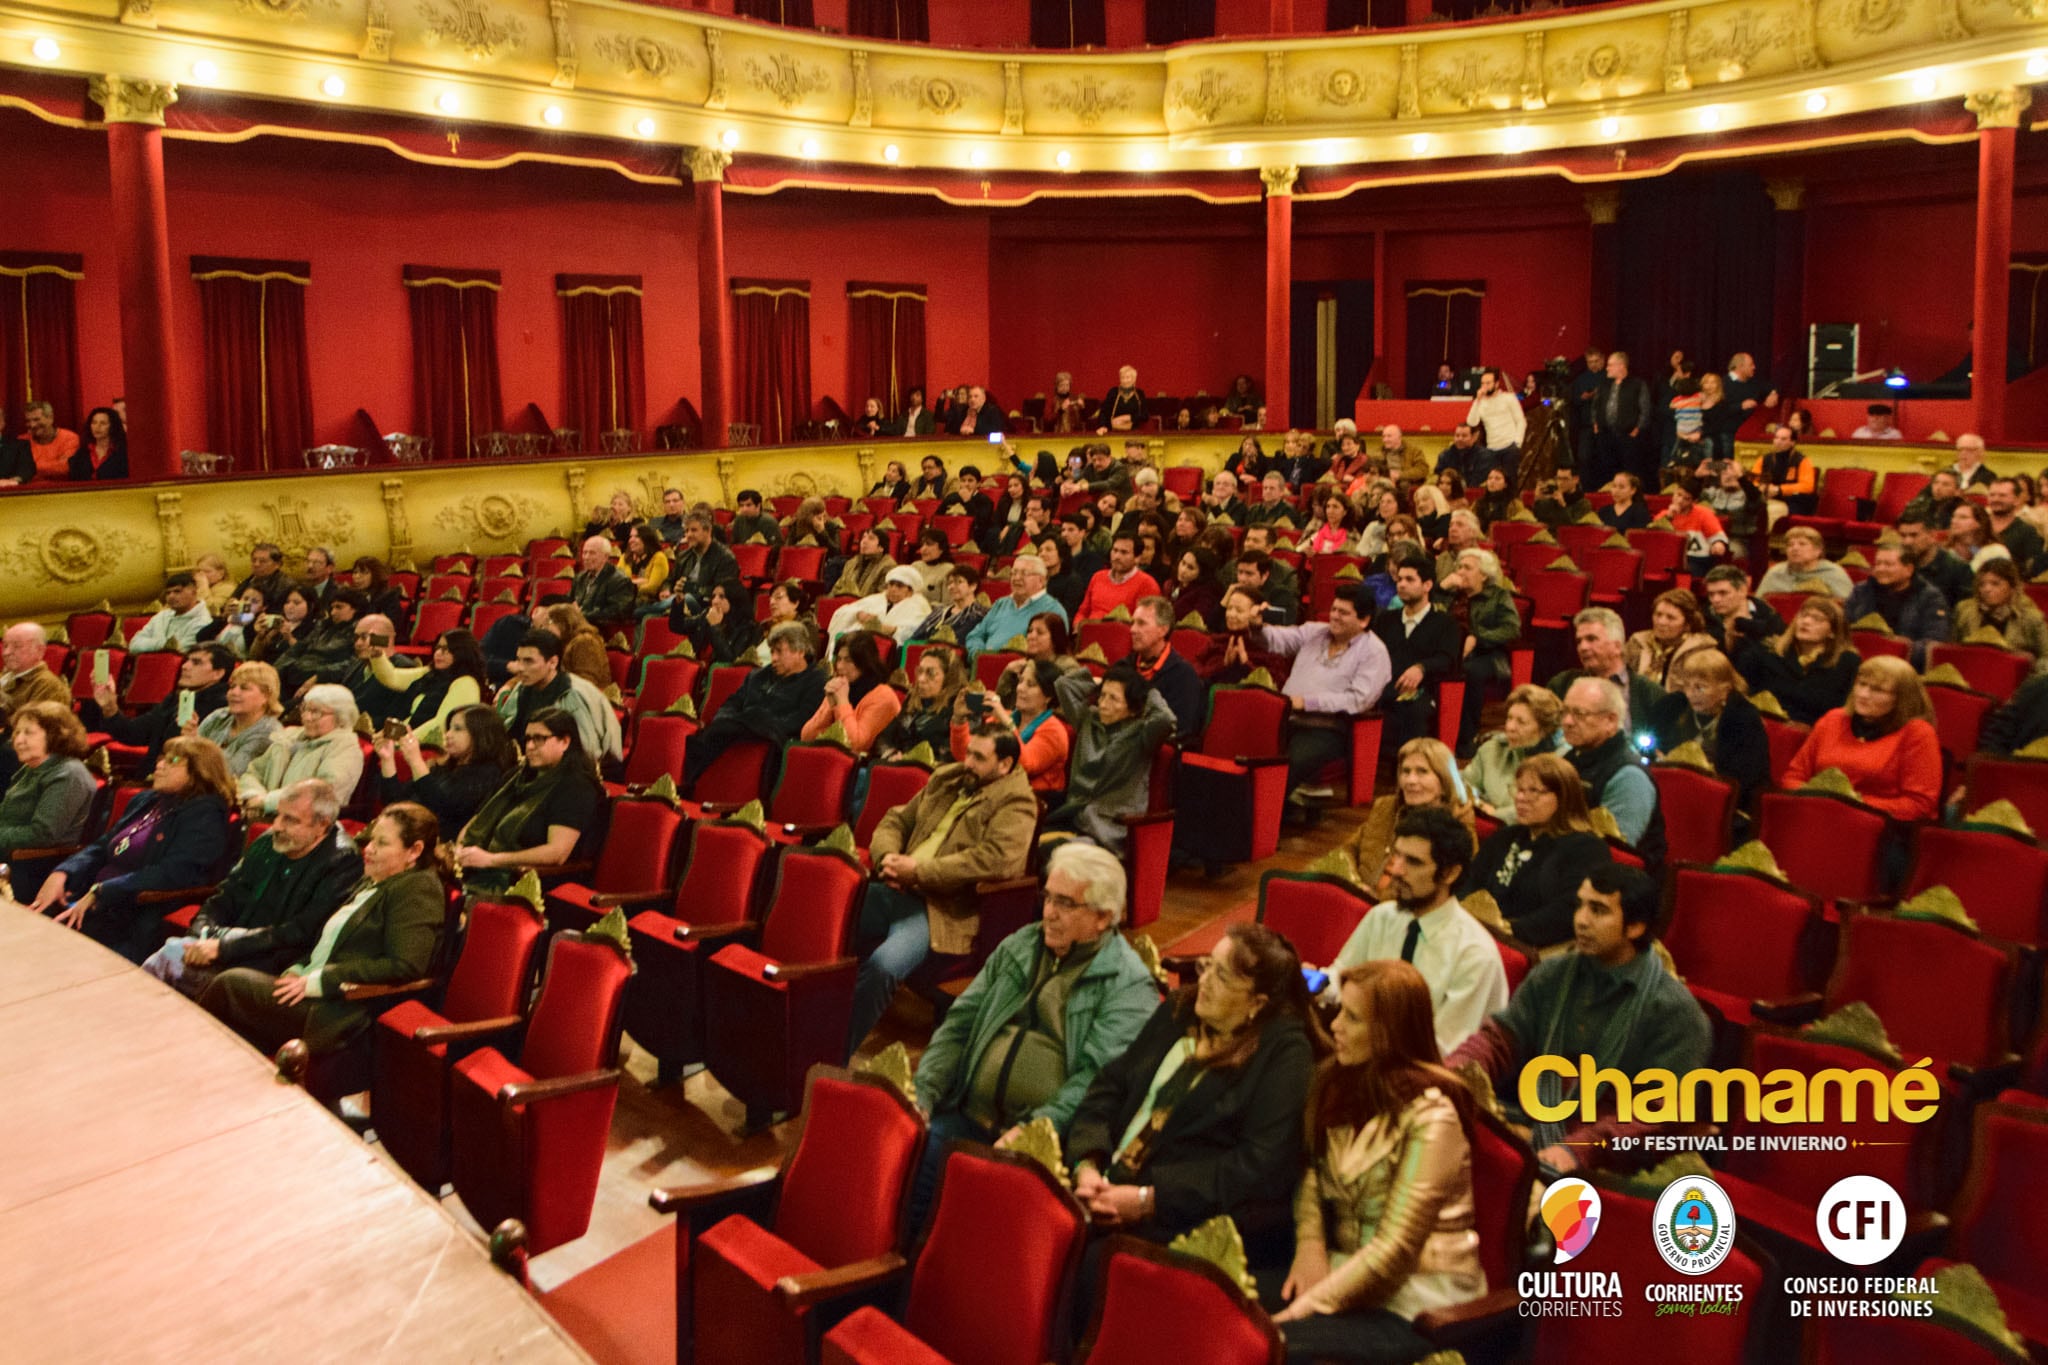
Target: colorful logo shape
{"x": 1571, "y": 1210}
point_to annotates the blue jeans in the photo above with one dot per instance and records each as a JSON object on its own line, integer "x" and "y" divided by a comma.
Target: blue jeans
{"x": 167, "y": 964}
{"x": 947, "y": 1126}
{"x": 898, "y": 919}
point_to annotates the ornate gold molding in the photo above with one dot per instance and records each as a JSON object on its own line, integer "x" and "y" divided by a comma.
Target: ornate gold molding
{"x": 708, "y": 163}
{"x": 128, "y": 100}
{"x": 170, "y": 529}
{"x": 1999, "y": 108}
{"x": 863, "y": 92}
{"x": 573, "y": 479}
{"x": 1603, "y": 207}
{"x": 397, "y": 524}
{"x": 565, "y": 45}
{"x": 1787, "y": 196}
{"x": 1279, "y": 180}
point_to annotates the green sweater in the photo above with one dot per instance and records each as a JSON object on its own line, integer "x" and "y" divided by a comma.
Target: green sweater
{"x": 46, "y": 805}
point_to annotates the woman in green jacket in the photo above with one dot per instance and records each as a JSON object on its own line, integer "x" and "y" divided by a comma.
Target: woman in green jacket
{"x": 51, "y": 795}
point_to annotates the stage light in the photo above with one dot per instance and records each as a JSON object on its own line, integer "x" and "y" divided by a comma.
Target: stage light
{"x": 1895, "y": 378}
{"x": 1419, "y": 144}
{"x": 978, "y": 157}
{"x": 1518, "y": 139}
{"x": 645, "y": 127}
{"x": 1926, "y": 85}
{"x": 1816, "y": 103}
{"x": 1610, "y": 127}
{"x": 808, "y": 149}
{"x": 891, "y": 152}
{"x": 1710, "y": 118}
{"x": 2037, "y": 66}
{"x": 46, "y": 49}
{"x": 1237, "y": 156}
{"x": 1063, "y": 159}
{"x": 446, "y": 102}
{"x": 334, "y": 87}
{"x": 552, "y": 116}
{"x": 1148, "y": 159}
{"x": 205, "y": 73}
{"x": 729, "y": 139}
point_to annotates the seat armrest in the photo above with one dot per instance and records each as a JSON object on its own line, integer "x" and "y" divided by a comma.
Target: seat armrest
{"x": 56, "y": 852}
{"x": 795, "y": 1292}
{"x": 1797, "y": 1009}
{"x": 465, "y": 1032}
{"x": 746, "y": 1187}
{"x": 1468, "y": 1321}
{"x": 799, "y": 971}
{"x": 1139, "y": 821}
{"x": 356, "y": 993}
{"x": 530, "y": 1092}
{"x": 1984, "y": 1082}
{"x": 713, "y": 933}
{"x": 187, "y": 895}
{"x": 631, "y": 900}
{"x": 1005, "y": 886}
{"x": 1271, "y": 761}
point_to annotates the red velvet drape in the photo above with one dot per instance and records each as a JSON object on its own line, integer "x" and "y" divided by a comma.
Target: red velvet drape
{"x": 2026, "y": 316}
{"x": 795, "y": 13}
{"x": 454, "y": 356}
{"x": 604, "y": 368}
{"x": 884, "y": 343}
{"x": 901, "y": 20}
{"x": 1068, "y": 23}
{"x": 259, "y": 395}
{"x": 39, "y": 336}
{"x": 771, "y": 346}
{"x": 1443, "y": 324}
{"x": 1179, "y": 21}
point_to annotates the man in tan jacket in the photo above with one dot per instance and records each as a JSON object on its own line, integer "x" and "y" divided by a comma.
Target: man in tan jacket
{"x": 973, "y": 822}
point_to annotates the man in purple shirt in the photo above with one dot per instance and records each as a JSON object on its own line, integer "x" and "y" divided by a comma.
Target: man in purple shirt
{"x": 1340, "y": 669}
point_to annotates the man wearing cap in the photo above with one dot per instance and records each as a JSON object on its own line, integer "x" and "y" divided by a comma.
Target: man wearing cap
{"x": 899, "y": 608}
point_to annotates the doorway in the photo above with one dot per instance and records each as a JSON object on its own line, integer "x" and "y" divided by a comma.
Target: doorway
{"x": 1330, "y": 346}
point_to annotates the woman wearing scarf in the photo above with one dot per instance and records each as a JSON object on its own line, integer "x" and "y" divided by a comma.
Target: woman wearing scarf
{"x": 538, "y": 818}
{"x": 1114, "y": 741}
{"x": 726, "y": 632}
{"x": 927, "y": 716}
{"x": 1041, "y": 734}
{"x": 858, "y": 698}
{"x": 454, "y": 678}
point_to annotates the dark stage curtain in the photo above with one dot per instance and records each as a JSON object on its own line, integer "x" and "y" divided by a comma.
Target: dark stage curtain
{"x": 604, "y": 368}
{"x": 454, "y": 355}
{"x": 1443, "y": 324}
{"x": 1178, "y": 21}
{"x": 2026, "y": 315}
{"x": 884, "y": 343}
{"x": 1068, "y": 23}
{"x": 771, "y": 345}
{"x": 1696, "y": 266}
{"x": 39, "y": 336}
{"x": 795, "y": 13}
{"x": 902, "y": 20}
{"x": 259, "y": 388}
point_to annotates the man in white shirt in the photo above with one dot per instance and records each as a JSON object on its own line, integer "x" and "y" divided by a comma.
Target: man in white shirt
{"x": 1500, "y": 412}
{"x": 178, "y": 625}
{"x": 1878, "y": 425}
{"x": 1425, "y": 925}
{"x": 899, "y": 608}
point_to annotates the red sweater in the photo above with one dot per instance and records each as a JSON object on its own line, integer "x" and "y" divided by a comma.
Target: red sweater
{"x": 1104, "y": 597}
{"x": 1899, "y": 774}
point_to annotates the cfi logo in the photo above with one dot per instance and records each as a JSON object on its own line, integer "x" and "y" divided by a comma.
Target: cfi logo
{"x": 1571, "y": 1210}
{"x": 1694, "y": 1225}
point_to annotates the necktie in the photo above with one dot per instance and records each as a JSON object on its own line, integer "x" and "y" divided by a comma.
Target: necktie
{"x": 1414, "y": 937}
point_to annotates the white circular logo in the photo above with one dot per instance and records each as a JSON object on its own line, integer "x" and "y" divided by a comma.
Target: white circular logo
{"x": 1861, "y": 1220}
{"x": 1694, "y": 1226}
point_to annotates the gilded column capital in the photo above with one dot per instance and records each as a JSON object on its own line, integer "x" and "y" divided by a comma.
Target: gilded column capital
{"x": 727, "y": 464}
{"x": 1603, "y": 207}
{"x": 1279, "y": 179}
{"x": 864, "y": 459}
{"x": 170, "y": 527}
{"x": 708, "y": 163}
{"x": 1787, "y": 196}
{"x": 574, "y": 478}
{"x": 397, "y": 522}
{"x": 2000, "y": 108}
{"x": 125, "y": 99}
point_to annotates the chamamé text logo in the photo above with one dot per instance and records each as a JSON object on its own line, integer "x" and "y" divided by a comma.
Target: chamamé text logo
{"x": 1694, "y": 1225}
{"x": 1571, "y": 1210}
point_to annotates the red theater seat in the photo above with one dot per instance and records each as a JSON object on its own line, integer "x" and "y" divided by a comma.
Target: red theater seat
{"x": 1159, "y": 1307}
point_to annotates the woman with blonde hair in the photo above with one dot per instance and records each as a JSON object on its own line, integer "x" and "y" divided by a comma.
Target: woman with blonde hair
{"x": 1999, "y": 601}
{"x": 216, "y": 586}
{"x": 1530, "y": 726}
{"x": 582, "y": 643}
{"x": 1532, "y": 868}
{"x": 1678, "y": 628}
{"x": 245, "y": 726}
{"x": 1808, "y": 666}
{"x": 1425, "y": 774}
{"x": 1706, "y": 706}
{"x": 1883, "y": 741}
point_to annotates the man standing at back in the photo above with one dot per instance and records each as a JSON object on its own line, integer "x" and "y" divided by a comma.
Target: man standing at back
{"x": 1621, "y": 409}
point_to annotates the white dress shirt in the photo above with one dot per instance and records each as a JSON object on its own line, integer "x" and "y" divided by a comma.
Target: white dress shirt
{"x": 1455, "y": 955}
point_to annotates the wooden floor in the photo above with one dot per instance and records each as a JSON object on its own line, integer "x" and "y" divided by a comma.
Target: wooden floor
{"x": 163, "y": 1197}
{"x": 676, "y": 1135}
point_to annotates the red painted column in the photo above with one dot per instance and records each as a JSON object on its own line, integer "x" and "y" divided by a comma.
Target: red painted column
{"x": 714, "y": 301}
{"x": 142, "y": 254}
{"x": 1998, "y": 115}
{"x": 1279, "y": 181}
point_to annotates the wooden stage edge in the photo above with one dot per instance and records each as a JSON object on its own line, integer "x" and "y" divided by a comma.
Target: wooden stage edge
{"x": 164, "y": 1197}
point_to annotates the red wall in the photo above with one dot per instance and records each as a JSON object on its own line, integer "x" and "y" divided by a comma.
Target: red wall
{"x": 978, "y": 23}
{"x": 1538, "y": 283}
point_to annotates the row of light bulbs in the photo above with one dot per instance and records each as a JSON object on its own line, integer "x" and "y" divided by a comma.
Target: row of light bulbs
{"x": 1515, "y": 138}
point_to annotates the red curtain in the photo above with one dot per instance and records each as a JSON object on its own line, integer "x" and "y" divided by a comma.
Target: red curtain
{"x": 604, "y": 369}
{"x": 795, "y": 13}
{"x": 454, "y": 355}
{"x": 884, "y": 343}
{"x": 771, "y": 345}
{"x": 259, "y": 391}
{"x": 2026, "y": 315}
{"x": 1179, "y": 21}
{"x": 39, "y": 336}
{"x": 1443, "y": 324}
{"x": 1068, "y": 23}
{"x": 901, "y": 20}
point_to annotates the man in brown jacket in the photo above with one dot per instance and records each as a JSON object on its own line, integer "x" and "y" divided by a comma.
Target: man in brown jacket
{"x": 24, "y": 678}
{"x": 973, "y": 822}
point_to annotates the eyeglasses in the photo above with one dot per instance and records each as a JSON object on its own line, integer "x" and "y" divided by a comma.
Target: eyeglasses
{"x": 1064, "y": 904}
{"x": 1581, "y": 713}
{"x": 540, "y": 737}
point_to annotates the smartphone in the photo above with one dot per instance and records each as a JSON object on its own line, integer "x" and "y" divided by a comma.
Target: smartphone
{"x": 102, "y": 669}
{"x": 1317, "y": 980}
{"x": 977, "y": 704}
{"x": 271, "y": 621}
{"x": 188, "y": 707}
{"x": 396, "y": 730}
{"x": 380, "y": 641}
{"x": 995, "y": 438}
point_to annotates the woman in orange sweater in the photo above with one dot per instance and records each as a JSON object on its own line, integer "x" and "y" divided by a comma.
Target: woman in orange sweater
{"x": 857, "y": 696}
{"x": 1882, "y": 741}
{"x": 1043, "y": 734}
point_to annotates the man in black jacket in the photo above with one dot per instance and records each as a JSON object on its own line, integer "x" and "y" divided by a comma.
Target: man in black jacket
{"x": 204, "y": 673}
{"x": 700, "y": 565}
{"x": 17, "y": 461}
{"x": 271, "y": 907}
{"x": 2018, "y": 723}
{"x": 1158, "y": 663}
{"x": 1621, "y": 409}
{"x": 601, "y": 589}
{"x": 1423, "y": 646}
{"x": 981, "y": 417}
{"x": 967, "y": 500}
{"x": 771, "y": 705}
{"x": 266, "y": 575}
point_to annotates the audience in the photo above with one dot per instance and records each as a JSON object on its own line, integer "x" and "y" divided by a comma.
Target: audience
{"x": 1423, "y": 645}
{"x": 927, "y": 716}
{"x": 51, "y": 793}
{"x": 771, "y": 706}
{"x": 858, "y": 698}
{"x": 1932, "y": 561}
{"x": 1528, "y": 727}
{"x": 182, "y": 622}
{"x": 1122, "y": 584}
{"x": 1808, "y": 666}
{"x": 600, "y": 589}
{"x": 1425, "y": 777}
{"x": 1883, "y": 741}
{"x": 1030, "y": 714}
{"x": 1159, "y": 664}
{"x": 1999, "y": 603}
{"x": 1803, "y": 569}
{"x": 547, "y": 813}
{"x": 1118, "y": 724}
{"x": 1735, "y": 615}
{"x": 1011, "y": 616}
{"x": 1533, "y": 865}
{"x": 1678, "y": 630}
{"x": 247, "y": 724}
{"x": 453, "y": 680}
{"x": 50, "y": 445}
{"x": 540, "y": 682}
{"x": 1604, "y": 751}
{"x": 204, "y": 675}
{"x": 323, "y": 744}
{"x": 1597, "y": 634}
{"x": 1911, "y": 608}
{"x": 1340, "y": 669}
{"x": 896, "y": 608}
{"x": 2020, "y": 721}
{"x": 477, "y": 757}
{"x": 1707, "y": 707}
